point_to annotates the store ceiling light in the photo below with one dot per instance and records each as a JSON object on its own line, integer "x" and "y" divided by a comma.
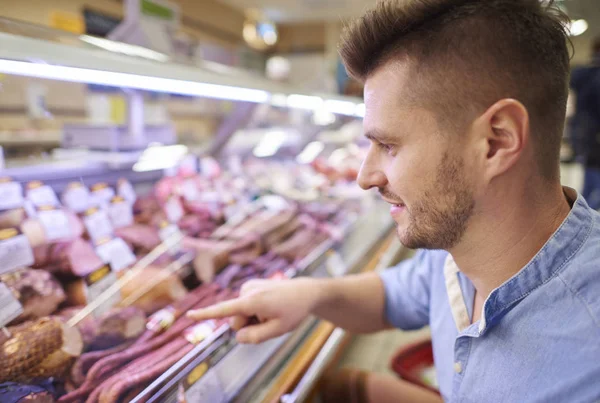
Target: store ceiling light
{"x": 269, "y": 144}
{"x": 160, "y": 157}
{"x": 125, "y": 80}
{"x": 310, "y": 152}
{"x": 125, "y": 48}
{"x": 360, "y": 110}
{"x": 578, "y": 27}
{"x": 347, "y": 108}
{"x": 323, "y": 117}
{"x": 309, "y": 102}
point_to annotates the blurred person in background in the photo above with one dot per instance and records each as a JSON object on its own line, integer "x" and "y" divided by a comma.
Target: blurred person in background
{"x": 585, "y": 124}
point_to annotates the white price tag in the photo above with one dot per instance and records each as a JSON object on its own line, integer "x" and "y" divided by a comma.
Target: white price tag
{"x": 274, "y": 202}
{"x": 189, "y": 190}
{"x": 15, "y": 250}
{"x": 43, "y": 196}
{"x": 102, "y": 194}
{"x": 11, "y": 195}
{"x": 10, "y": 307}
{"x": 166, "y": 233}
{"x": 121, "y": 214}
{"x": 126, "y": 191}
{"x": 208, "y": 389}
{"x": 29, "y": 209}
{"x": 77, "y": 199}
{"x": 97, "y": 224}
{"x": 116, "y": 253}
{"x": 174, "y": 210}
{"x": 97, "y": 283}
{"x": 56, "y": 224}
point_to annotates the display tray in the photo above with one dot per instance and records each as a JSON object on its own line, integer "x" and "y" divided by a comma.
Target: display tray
{"x": 241, "y": 372}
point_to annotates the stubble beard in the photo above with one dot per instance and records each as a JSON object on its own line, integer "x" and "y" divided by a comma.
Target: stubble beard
{"x": 439, "y": 220}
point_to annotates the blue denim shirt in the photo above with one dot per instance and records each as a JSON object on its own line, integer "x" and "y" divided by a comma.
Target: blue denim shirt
{"x": 538, "y": 339}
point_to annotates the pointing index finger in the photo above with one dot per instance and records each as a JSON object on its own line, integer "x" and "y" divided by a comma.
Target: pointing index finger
{"x": 219, "y": 311}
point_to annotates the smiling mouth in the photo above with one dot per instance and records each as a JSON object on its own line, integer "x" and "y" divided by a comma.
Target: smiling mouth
{"x": 394, "y": 203}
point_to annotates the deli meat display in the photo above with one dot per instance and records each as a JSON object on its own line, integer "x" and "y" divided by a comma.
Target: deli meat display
{"x": 107, "y": 240}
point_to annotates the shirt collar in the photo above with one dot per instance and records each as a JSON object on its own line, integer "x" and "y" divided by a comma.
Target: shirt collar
{"x": 550, "y": 259}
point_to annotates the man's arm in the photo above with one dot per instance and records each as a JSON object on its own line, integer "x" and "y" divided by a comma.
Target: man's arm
{"x": 355, "y": 303}
{"x": 361, "y": 303}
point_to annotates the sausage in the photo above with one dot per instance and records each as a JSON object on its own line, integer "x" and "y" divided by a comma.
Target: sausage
{"x": 83, "y": 363}
{"x": 160, "y": 360}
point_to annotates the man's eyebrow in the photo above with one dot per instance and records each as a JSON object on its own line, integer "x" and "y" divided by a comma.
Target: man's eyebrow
{"x": 379, "y": 136}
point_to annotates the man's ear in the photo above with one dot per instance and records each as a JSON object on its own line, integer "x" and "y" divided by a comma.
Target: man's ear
{"x": 504, "y": 131}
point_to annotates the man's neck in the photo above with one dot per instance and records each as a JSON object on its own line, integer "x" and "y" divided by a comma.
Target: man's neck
{"x": 503, "y": 237}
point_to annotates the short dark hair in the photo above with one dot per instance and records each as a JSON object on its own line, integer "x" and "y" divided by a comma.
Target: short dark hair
{"x": 471, "y": 53}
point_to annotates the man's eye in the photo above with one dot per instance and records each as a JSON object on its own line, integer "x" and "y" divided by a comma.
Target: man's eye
{"x": 385, "y": 147}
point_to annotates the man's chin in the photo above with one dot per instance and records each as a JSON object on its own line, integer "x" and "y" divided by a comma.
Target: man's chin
{"x": 410, "y": 241}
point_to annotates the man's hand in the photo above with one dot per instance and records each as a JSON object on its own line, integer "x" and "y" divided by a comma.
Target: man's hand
{"x": 279, "y": 305}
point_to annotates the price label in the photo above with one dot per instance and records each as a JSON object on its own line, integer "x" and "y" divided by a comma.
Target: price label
{"x": 77, "y": 198}
{"x": 161, "y": 320}
{"x": 166, "y": 232}
{"x": 275, "y": 203}
{"x": 120, "y": 212}
{"x": 55, "y": 222}
{"x": 15, "y": 250}
{"x": 42, "y": 195}
{"x": 189, "y": 190}
{"x": 10, "y": 307}
{"x": 97, "y": 224}
{"x": 29, "y": 209}
{"x": 199, "y": 332}
{"x": 208, "y": 389}
{"x": 116, "y": 253}
{"x": 11, "y": 195}
{"x": 174, "y": 210}
{"x": 97, "y": 282}
{"x": 126, "y": 191}
{"x": 102, "y": 194}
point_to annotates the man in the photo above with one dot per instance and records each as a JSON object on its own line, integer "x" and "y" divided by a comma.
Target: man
{"x": 585, "y": 124}
{"x": 465, "y": 107}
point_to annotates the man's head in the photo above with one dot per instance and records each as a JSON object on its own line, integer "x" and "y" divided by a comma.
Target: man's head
{"x": 458, "y": 94}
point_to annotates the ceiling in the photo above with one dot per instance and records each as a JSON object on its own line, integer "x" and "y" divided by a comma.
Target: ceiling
{"x": 298, "y": 11}
{"x": 305, "y": 10}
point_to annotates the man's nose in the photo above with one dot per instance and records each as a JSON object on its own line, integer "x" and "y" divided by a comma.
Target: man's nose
{"x": 370, "y": 175}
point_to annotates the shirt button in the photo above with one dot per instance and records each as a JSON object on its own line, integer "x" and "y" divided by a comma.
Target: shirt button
{"x": 457, "y": 367}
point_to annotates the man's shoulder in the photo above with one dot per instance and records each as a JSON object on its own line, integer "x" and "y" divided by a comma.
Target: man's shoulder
{"x": 581, "y": 274}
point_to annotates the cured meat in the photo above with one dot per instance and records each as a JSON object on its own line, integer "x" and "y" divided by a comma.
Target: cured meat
{"x": 37, "y": 290}
{"x": 111, "y": 329}
{"x": 39, "y": 349}
{"x": 12, "y": 218}
{"x": 141, "y": 237}
{"x": 246, "y": 250}
{"x": 211, "y": 256}
{"x": 162, "y": 294}
{"x": 76, "y": 256}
